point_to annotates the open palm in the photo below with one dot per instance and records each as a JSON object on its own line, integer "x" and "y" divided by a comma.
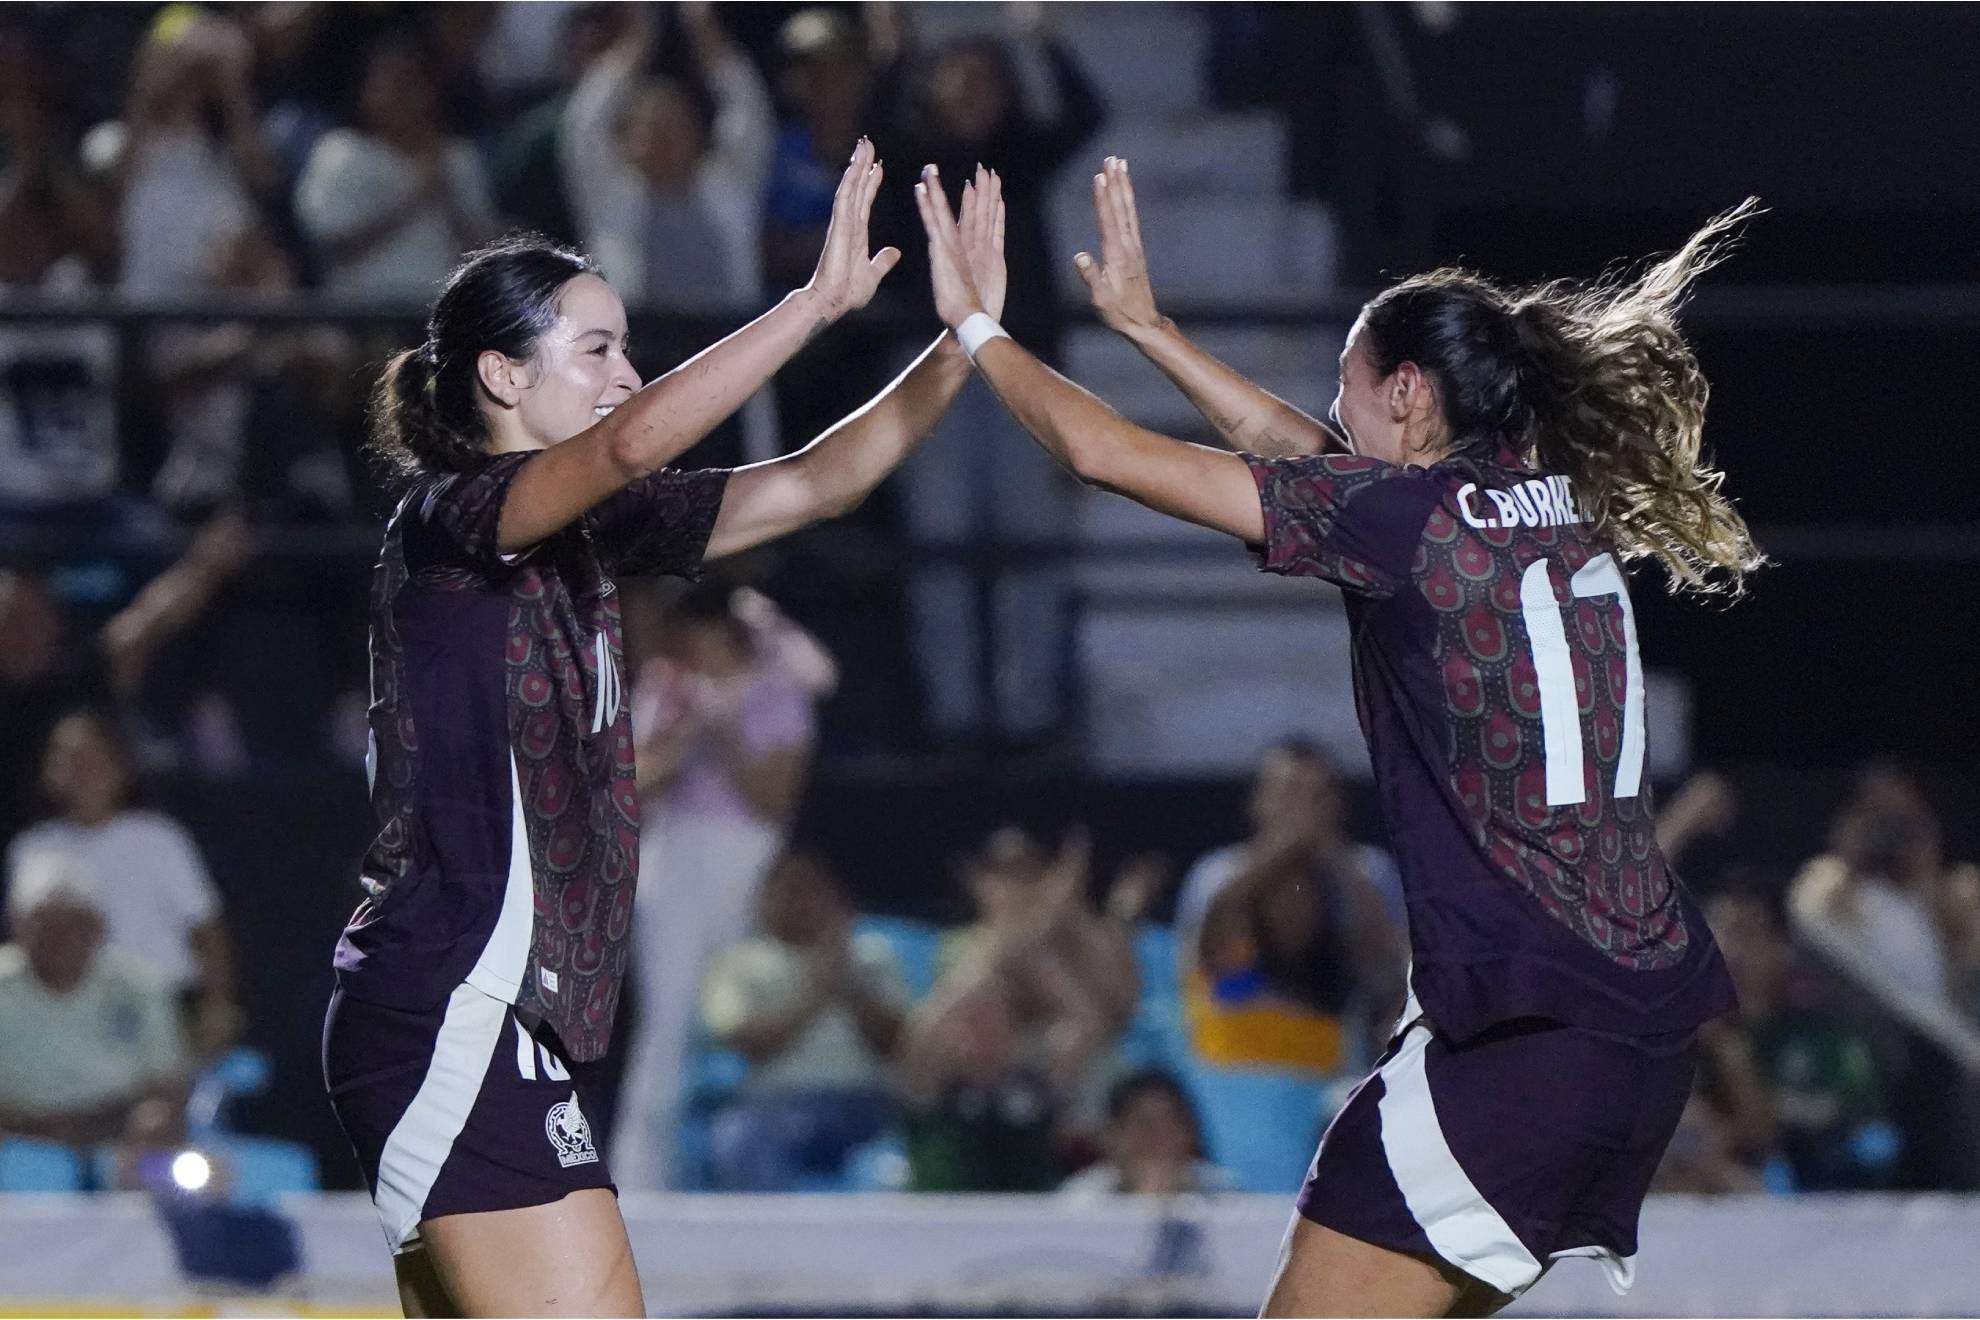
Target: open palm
{"x": 966, "y": 257}
{"x": 1118, "y": 282}
{"x": 847, "y": 276}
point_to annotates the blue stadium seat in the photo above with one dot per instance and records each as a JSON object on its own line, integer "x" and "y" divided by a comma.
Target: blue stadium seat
{"x": 1262, "y": 1124}
{"x": 38, "y": 1166}
{"x": 256, "y": 1169}
{"x": 916, "y": 946}
{"x": 266, "y": 1167}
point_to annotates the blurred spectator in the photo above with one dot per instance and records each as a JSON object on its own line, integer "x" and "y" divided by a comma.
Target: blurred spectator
{"x": 46, "y": 669}
{"x": 982, "y": 1108}
{"x": 1876, "y": 900}
{"x": 1022, "y": 105}
{"x": 391, "y": 202}
{"x": 817, "y": 1012}
{"x": 1011, "y": 1054}
{"x": 58, "y": 434}
{"x": 188, "y": 195}
{"x": 723, "y": 722}
{"x": 159, "y": 906}
{"x": 1883, "y": 909}
{"x": 1293, "y": 944}
{"x": 93, "y": 1044}
{"x": 1153, "y": 1144}
{"x": 827, "y": 64}
{"x": 528, "y": 171}
{"x": 1705, "y": 807}
{"x": 667, "y": 202}
{"x": 1827, "y": 1108}
{"x": 193, "y": 208}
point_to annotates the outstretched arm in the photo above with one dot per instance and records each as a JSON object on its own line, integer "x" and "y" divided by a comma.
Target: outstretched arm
{"x": 672, "y": 413}
{"x": 1211, "y": 487}
{"x": 832, "y": 474}
{"x": 1248, "y": 416}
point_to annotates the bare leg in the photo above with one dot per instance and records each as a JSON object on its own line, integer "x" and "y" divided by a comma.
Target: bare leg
{"x": 570, "y": 1257}
{"x": 1322, "y": 1272}
{"x": 421, "y": 1294}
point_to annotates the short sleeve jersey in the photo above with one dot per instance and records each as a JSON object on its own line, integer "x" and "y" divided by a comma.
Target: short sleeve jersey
{"x": 501, "y": 762}
{"x": 1499, "y": 687}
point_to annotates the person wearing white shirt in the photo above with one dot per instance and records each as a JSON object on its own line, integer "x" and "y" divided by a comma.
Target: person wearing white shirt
{"x": 817, "y": 1010}
{"x": 670, "y": 207}
{"x": 159, "y": 908}
{"x": 93, "y": 1047}
{"x": 392, "y": 203}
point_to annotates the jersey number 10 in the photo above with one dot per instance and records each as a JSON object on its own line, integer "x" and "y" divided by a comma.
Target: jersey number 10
{"x": 1553, "y": 667}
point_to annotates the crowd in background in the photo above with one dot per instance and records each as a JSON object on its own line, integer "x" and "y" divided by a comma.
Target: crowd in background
{"x": 1128, "y": 1032}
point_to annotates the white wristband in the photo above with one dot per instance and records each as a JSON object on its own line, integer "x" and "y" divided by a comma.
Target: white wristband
{"x": 977, "y": 330}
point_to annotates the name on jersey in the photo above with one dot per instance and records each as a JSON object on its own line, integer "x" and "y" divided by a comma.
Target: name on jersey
{"x": 1543, "y": 502}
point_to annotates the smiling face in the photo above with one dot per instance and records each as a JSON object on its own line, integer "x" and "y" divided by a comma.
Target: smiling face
{"x": 577, "y": 375}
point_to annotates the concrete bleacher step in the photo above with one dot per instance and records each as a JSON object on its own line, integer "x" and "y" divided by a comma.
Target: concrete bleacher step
{"x": 1265, "y": 251}
{"x": 1231, "y": 155}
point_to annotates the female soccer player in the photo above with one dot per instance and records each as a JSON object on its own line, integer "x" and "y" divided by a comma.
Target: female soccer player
{"x": 492, "y": 944}
{"x": 1511, "y": 449}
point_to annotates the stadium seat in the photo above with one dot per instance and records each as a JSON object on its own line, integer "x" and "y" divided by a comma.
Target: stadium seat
{"x": 916, "y": 945}
{"x": 263, "y": 1168}
{"x": 1261, "y": 1124}
{"x": 38, "y": 1166}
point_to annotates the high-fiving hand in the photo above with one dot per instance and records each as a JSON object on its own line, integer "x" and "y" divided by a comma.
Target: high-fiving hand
{"x": 847, "y": 277}
{"x": 966, "y": 256}
{"x": 1118, "y": 281}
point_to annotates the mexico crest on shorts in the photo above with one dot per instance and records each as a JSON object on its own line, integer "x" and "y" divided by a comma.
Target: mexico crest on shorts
{"x": 570, "y": 1133}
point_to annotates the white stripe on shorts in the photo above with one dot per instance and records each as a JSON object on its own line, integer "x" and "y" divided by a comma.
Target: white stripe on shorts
{"x": 424, "y": 1135}
{"x": 1461, "y": 1224}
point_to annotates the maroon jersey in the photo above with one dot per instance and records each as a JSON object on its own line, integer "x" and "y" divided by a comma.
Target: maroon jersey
{"x": 1498, "y": 684}
{"x": 501, "y": 761}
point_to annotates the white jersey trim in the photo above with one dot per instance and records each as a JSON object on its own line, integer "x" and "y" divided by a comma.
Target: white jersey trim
{"x": 1461, "y": 1224}
{"x": 499, "y": 970}
{"x": 424, "y": 1136}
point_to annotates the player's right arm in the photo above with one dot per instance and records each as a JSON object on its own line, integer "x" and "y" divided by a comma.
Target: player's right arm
{"x": 1246, "y": 415}
{"x": 672, "y": 413}
{"x": 1210, "y": 487}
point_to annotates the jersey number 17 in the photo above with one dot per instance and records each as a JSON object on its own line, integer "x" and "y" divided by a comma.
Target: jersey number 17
{"x": 1553, "y": 667}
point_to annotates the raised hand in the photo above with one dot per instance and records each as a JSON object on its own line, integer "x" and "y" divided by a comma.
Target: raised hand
{"x": 956, "y": 295}
{"x": 847, "y": 277}
{"x": 1118, "y": 282}
{"x": 980, "y": 230}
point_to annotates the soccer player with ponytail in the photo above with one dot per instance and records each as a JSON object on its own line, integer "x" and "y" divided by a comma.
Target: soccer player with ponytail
{"x": 490, "y": 949}
{"x": 1501, "y": 455}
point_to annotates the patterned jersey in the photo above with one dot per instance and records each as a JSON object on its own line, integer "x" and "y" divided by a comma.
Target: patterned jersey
{"x": 1498, "y": 684}
{"x": 501, "y": 763}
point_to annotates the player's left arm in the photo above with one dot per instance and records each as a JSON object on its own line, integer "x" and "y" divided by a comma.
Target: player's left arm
{"x": 831, "y": 476}
{"x": 1247, "y": 415}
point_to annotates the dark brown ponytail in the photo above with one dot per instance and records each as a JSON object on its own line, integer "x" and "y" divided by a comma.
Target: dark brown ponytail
{"x": 425, "y": 414}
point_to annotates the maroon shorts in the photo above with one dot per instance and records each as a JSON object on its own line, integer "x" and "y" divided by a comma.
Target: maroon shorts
{"x": 1532, "y": 1142}
{"x": 454, "y": 1111}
